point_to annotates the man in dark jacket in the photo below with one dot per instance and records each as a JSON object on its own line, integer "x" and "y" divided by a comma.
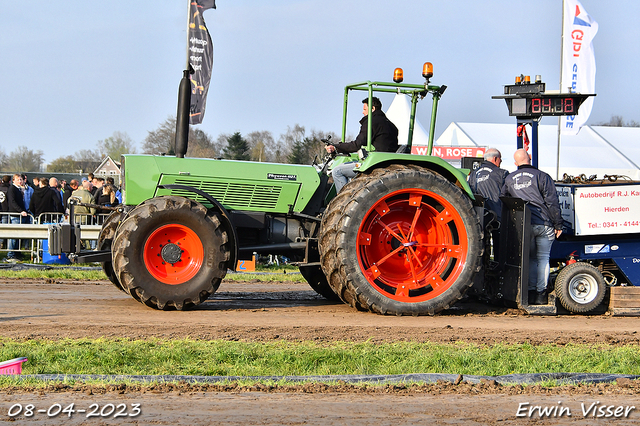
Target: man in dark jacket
{"x": 4, "y": 203}
{"x": 384, "y": 138}
{"x": 487, "y": 180}
{"x": 45, "y": 200}
{"x": 68, "y": 190}
{"x": 18, "y": 210}
{"x": 537, "y": 188}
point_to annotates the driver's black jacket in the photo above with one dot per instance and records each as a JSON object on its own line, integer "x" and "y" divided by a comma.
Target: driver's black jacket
{"x": 384, "y": 135}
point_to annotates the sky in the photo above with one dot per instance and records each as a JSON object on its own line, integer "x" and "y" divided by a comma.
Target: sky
{"x": 74, "y": 72}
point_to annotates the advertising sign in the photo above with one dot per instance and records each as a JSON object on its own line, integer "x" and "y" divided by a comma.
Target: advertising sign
{"x": 610, "y": 209}
{"x": 451, "y": 152}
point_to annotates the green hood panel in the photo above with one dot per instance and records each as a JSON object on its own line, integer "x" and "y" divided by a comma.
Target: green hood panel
{"x": 237, "y": 185}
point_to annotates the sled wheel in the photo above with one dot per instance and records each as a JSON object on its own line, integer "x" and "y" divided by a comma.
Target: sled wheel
{"x": 407, "y": 243}
{"x": 580, "y": 287}
{"x": 317, "y": 280}
{"x": 104, "y": 243}
{"x": 170, "y": 252}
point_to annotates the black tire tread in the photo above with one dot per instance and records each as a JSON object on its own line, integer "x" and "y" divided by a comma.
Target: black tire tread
{"x": 122, "y": 261}
{"x": 332, "y": 240}
{"x": 105, "y": 241}
{"x": 562, "y": 287}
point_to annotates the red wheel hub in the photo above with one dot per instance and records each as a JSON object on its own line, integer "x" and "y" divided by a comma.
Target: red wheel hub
{"x": 173, "y": 254}
{"x": 412, "y": 245}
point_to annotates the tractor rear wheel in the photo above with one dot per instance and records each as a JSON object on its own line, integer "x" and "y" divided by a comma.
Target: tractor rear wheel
{"x": 104, "y": 243}
{"x": 404, "y": 241}
{"x": 171, "y": 253}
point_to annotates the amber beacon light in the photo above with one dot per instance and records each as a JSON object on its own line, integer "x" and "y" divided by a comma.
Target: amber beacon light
{"x": 427, "y": 70}
{"x": 398, "y": 75}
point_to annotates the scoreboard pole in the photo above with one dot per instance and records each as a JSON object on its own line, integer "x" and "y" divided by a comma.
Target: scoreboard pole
{"x": 534, "y": 138}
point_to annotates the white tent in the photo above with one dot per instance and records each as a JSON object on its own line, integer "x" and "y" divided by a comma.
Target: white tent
{"x": 398, "y": 113}
{"x": 596, "y": 150}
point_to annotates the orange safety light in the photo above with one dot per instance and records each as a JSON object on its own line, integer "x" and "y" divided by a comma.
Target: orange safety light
{"x": 527, "y": 79}
{"x": 518, "y": 79}
{"x": 398, "y": 75}
{"x": 427, "y": 70}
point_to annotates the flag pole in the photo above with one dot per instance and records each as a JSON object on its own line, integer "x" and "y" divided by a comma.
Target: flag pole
{"x": 184, "y": 103}
{"x": 188, "y": 32}
{"x": 561, "y": 82}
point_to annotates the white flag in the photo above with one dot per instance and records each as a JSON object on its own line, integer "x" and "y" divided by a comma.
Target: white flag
{"x": 578, "y": 62}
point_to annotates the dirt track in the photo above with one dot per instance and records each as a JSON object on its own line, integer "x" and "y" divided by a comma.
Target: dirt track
{"x": 263, "y": 312}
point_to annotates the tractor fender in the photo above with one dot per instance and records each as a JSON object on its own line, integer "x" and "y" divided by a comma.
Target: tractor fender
{"x": 217, "y": 206}
{"x": 437, "y": 165}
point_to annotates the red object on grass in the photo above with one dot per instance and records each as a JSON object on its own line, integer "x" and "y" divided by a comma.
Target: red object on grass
{"x": 13, "y": 366}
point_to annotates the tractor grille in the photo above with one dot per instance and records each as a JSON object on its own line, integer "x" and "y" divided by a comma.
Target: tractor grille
{"x": 233, "y": 195}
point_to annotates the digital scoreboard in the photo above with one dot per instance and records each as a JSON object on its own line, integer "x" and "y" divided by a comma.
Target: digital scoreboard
{"x": 544, "y": 104}
{"x": 531, "y": 100}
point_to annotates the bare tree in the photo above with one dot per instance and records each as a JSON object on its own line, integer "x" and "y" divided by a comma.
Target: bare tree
{"x": 287, "y": 141}
{"x": 162, "y": 141}
{"x": 63, "y": 165}
{"x": 618, "y": 121}
{"x": 87, "y": 155}
{"x": 200, "y": 145}
{"x": 3, "y": 159}
{"x": 221, "y": 143}
{"x": 262, "y": 145}
{"x": 25, "y": 160}
{"x": 116, "y": 145}
{"x": 315, "y": 146}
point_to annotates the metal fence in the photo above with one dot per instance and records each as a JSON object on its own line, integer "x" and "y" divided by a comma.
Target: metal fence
{"x": 32, "y": 231}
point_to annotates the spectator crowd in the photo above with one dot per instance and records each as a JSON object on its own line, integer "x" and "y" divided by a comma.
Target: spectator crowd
{"x": 22, "y": 202}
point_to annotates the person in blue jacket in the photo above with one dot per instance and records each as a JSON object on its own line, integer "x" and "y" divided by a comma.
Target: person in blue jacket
{"x": 537, "y": 188}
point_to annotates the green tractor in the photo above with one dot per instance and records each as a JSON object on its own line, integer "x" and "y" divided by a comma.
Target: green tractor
{"x": 401, "y": 238}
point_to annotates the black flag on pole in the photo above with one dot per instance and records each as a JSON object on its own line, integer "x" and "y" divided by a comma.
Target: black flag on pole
{"x": 200, "y": 58}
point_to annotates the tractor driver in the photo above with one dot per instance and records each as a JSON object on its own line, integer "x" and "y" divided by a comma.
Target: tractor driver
{"x": 384, "y": 137}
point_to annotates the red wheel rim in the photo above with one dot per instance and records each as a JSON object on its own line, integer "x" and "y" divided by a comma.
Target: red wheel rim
{"x": 412, "y": 245}
{"x": 173, "y": 254}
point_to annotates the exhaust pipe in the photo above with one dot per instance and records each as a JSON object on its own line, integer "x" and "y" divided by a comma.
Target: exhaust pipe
{"x": 182, "y": 117}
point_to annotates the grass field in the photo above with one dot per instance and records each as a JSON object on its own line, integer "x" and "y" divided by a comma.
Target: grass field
{"x": 224, "y": 358}
{"x": 282, "y": 274}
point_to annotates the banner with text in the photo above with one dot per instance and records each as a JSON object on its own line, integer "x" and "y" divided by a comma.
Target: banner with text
{"x": 578, "y": 62}
{"x": 606, "y": 210}
{"x": 200, "y": 58}
{"x": 450, "y": 152}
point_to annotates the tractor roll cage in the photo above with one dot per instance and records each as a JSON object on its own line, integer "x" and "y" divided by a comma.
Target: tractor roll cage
{"x": 416, "y": 91}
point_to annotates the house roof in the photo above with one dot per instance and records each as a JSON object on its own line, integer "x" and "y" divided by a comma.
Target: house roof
{"x": 104, "y": 161}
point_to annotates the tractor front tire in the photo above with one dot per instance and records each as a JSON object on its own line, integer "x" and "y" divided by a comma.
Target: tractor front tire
{"x": 402, "y": 241}
{"x": 171, "y": 253}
